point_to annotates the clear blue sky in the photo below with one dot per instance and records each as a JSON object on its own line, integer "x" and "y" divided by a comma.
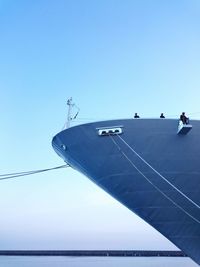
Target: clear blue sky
{"x": 114, "y": 58}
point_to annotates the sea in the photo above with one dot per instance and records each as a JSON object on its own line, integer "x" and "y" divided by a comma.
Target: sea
{"x": 66, "y": 261}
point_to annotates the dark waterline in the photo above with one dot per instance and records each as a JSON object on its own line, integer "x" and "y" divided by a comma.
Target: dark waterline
{"x": 94, "y": 253}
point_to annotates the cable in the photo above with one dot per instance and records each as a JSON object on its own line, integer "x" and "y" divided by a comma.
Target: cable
{"x": 161, "y": 176}
{"x": 148, "y": 180}
{"x": 20, "y": 174}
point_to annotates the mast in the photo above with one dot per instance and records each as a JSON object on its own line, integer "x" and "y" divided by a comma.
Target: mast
{"x": 69, "y": 117}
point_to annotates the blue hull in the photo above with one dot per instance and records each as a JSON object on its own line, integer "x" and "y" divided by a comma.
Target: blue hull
{"x": 148, "y": 168}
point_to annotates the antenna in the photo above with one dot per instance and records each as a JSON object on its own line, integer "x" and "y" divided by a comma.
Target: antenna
{"x": 69, "y": 118}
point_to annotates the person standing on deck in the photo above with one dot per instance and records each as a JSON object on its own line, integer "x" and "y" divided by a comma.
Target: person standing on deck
{"x": 183, "y": 118}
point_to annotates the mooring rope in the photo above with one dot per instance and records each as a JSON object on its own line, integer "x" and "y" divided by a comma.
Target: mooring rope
{"x": 19, "y": 174}
{"x": 149, "y": 181}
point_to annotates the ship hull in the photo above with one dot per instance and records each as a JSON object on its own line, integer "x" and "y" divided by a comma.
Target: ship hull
{"x": 148, "y": 167}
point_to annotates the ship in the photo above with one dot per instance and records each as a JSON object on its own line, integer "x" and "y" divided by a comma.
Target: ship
{"x": 151, "y": 166}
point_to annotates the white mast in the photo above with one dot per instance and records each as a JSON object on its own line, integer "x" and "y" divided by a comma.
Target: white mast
{"x": 69, "y": 117}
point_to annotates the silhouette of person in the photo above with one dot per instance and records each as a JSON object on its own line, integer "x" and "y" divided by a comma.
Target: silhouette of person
{"x": 162, "y": 116}
{"x": 183, "y": 118}
{"x": 136, "y": 116}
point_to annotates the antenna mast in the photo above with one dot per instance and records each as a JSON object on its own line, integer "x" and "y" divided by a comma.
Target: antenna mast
{"x": 69, "y": 117}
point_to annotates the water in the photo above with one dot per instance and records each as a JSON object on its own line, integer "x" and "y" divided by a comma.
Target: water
{"x": 52, "y": 261}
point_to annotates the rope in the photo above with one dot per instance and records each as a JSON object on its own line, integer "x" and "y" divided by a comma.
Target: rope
{"x": 178, "y": 190}
{"x": 19, "y": 174}
{"x": 148, "y": 180}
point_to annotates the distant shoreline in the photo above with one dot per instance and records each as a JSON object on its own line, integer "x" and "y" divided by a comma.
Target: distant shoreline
{"x": 95, "y": 253}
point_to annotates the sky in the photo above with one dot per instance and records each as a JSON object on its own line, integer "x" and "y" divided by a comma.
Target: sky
{"x": 114, "y": 58}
